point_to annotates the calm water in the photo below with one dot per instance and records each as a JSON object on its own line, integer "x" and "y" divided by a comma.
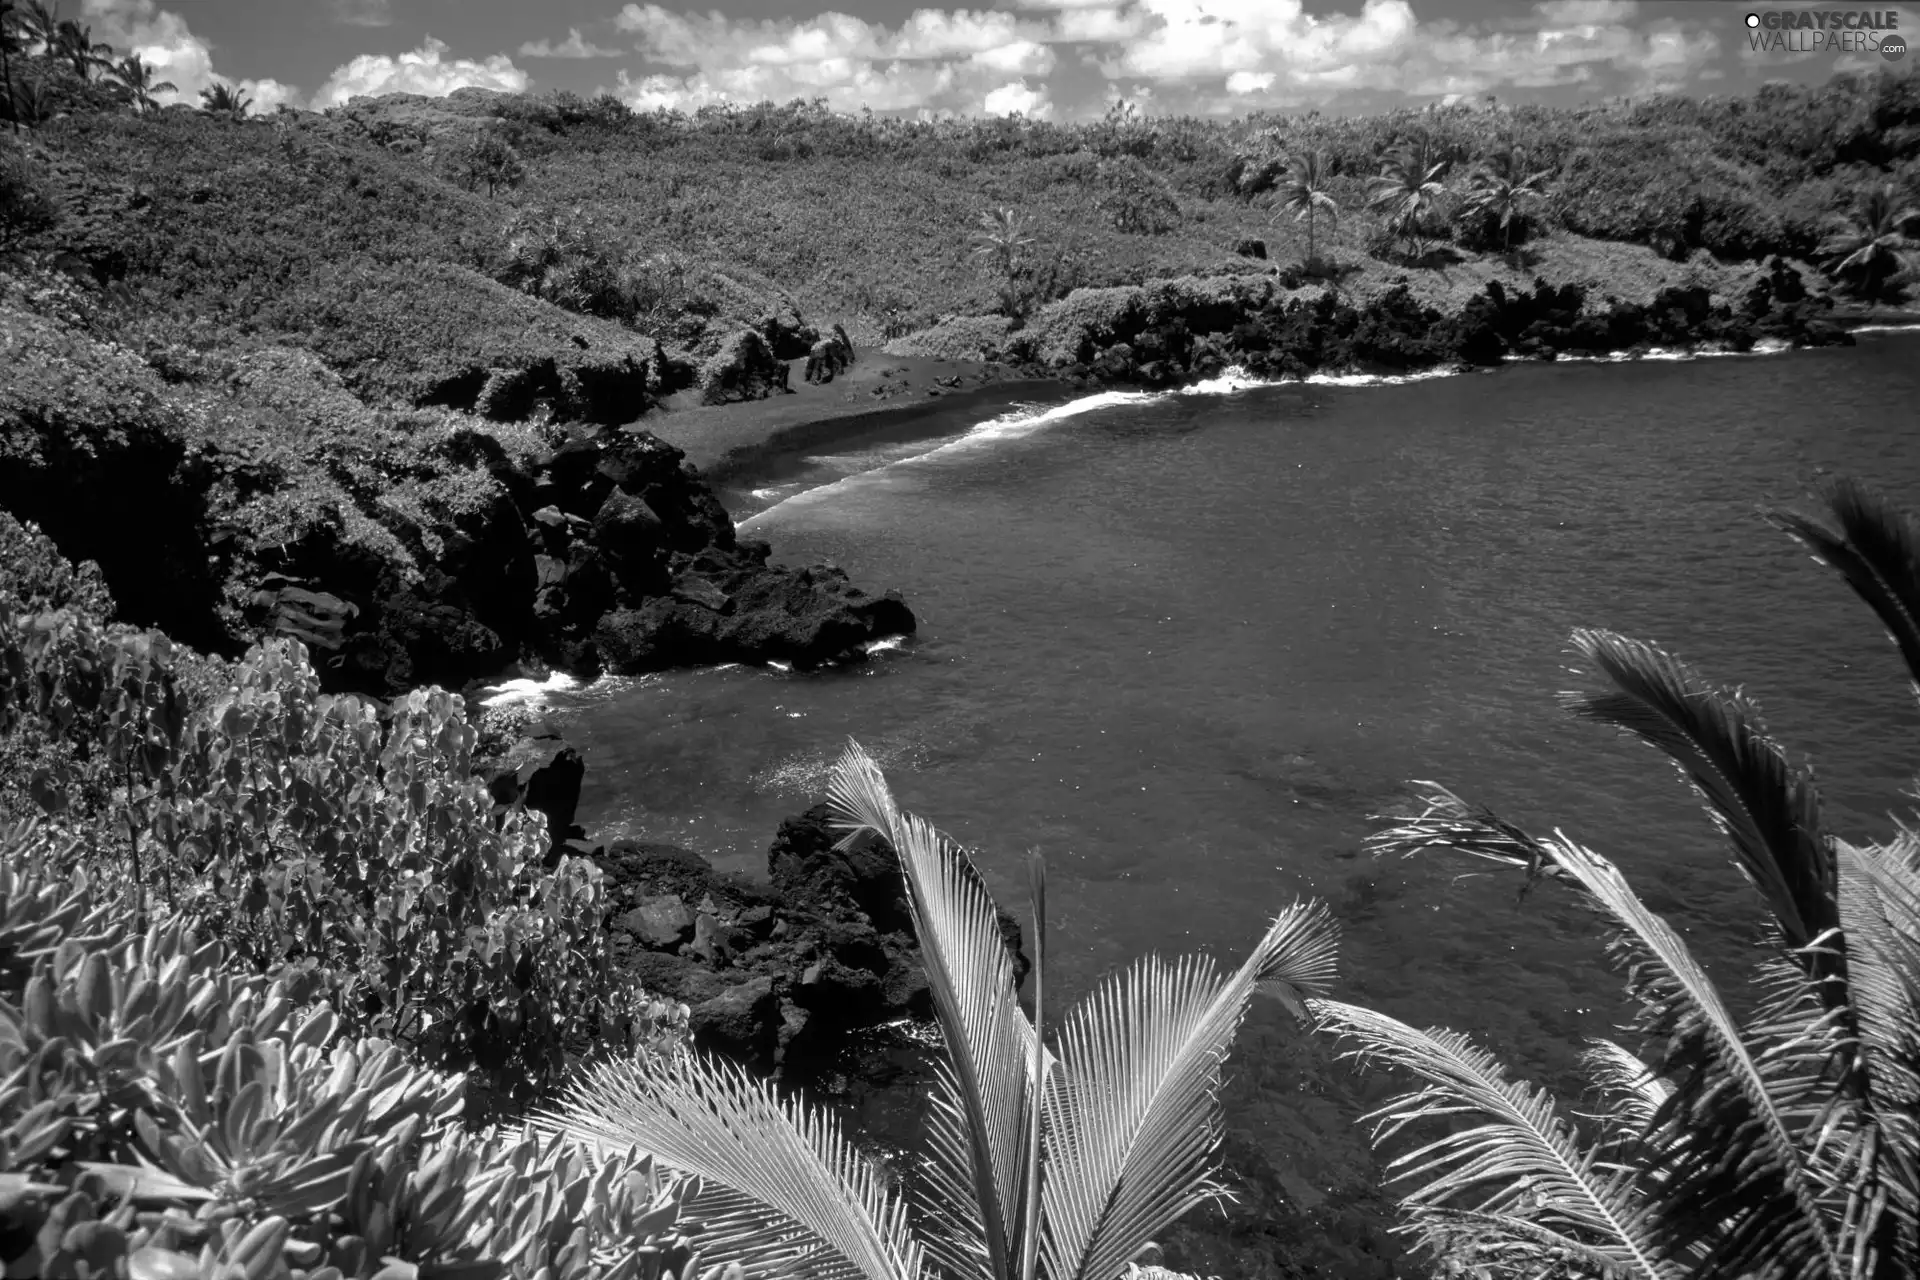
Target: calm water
{"x": 1185, "y": 645}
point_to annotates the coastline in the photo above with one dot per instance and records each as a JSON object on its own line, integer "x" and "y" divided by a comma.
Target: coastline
{"x": 890, "y": 398}
{"x": 877, "y": 394}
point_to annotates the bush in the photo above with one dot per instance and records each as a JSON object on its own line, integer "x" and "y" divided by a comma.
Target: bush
{"x": 344, "y": 847}
{"x": 166, "y": 1112}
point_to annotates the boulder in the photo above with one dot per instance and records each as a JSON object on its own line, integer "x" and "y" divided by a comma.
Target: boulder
{"x": 745, "y": 368}
{"x": 742, "y": 1023}
{"x": 659, "y": 924}
{"x": 743, "y": 611}
{"x": 1251, "y": 248}
{"x": 829, "y": 356}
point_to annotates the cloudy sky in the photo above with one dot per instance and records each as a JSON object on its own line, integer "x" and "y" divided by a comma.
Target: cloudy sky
{"x": 1058, "y": 59}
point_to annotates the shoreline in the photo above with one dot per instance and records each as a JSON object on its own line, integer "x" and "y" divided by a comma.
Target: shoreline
{"x": 736, "y": 446}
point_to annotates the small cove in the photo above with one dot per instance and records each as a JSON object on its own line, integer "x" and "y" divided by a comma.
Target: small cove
{"x": 1186, "y": 644}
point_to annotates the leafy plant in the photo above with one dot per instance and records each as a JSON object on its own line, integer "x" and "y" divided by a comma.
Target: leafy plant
{"x": 1068, "y": 1157}
{"x": 164, "y": 1113}
{"x": 1782, "y": 1146}
{"x": 1000, "y": 240}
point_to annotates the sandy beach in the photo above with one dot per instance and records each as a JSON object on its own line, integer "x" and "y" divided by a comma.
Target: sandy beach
{"x": 878, "y": 394}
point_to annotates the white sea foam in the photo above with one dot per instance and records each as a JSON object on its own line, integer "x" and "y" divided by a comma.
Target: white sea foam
{"x": 1887, "y": 328}
{"x": 885, "y": 644}
{"x": 1377, "y": 379}
{"x": 509, "y": 692}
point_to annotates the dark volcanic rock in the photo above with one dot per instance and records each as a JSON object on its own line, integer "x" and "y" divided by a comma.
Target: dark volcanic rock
{"x": 639, "y": 570}
{"x": 742, "y": 1022}
{"x": 775, "y": 975}
{"x": 829, "y": 356}
{"x": 745, "y": 368}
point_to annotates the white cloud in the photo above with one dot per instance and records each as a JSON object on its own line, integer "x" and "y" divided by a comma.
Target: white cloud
{"x": 425, "y": 70}
{"x": 572, "y": 47}
{"x": 163, "y": 41}
{"x": 1250, "y": 82}
{"x": 1017, "y": 98}
{"x": 362, "y": 13}
{"x": 266, "y": 95}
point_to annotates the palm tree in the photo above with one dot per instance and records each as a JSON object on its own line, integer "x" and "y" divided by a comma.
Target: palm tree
{"x": 1785, "y": 1147}
{"x": 1866, "y": 249}
{"x": 1070, "y": 1156}
{"x": 1409, "y": 184}
{"x": 1303, "y": 193}
{"x": 136, "y": 77}
{"x": 223, "y": 99}
{"x": 74, "y": 44}
{"x": 40, "y": 23}
{"x": 1000, "y": 240}
{"x": 1501, "y": 188}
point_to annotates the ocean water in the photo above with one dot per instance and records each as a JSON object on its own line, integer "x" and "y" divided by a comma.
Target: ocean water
{"x": 1186, "y": 644}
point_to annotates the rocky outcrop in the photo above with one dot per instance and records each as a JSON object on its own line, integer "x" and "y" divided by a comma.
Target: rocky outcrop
{"x": 775, "y": 975}
{"x": 639, "y": 570}
{"x": 1251, "y": 248}
{"x": 229, "y": 497}
{"x": 745, "y": 368}
{"x": 1162, "y": 333}
{"x": 829, "y": 356}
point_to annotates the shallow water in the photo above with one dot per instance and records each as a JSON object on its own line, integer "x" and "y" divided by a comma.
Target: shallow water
{"x": 1185, "y": 644}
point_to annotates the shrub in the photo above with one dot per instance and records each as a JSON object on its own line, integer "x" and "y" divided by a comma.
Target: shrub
{"x": 166, "y": 1113}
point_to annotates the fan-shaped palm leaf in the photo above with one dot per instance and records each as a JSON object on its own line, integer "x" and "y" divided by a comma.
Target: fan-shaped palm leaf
{"x": 1133, "y": 1129}
{"x": 781, "y": 1188}
{"x": 1523, "y": 1169}
{"x": 971, "y": 977}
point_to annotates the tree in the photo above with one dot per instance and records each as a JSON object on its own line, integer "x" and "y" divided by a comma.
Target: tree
{"x": 40, "y": 23}
{"x": 1407, "y": 188}
{"x": 1785, "y": 1147}
{"x": 74, "y": 44}
{"x": 1000, "y": 240}
{"x": 1501, "y": 189}
{"x": 491, "y": 159}
{"x": 1303, "y": 193}
{"x": 222, "y": 99}
{"x": 1071, "y": 1155}
{"x": 1865, "y": 251}
{"x": 136, "y": 77}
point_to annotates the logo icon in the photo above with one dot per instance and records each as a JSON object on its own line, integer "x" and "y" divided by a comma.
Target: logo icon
{"x": 1892, "y": 48}
{"x": 1753, "y": 19}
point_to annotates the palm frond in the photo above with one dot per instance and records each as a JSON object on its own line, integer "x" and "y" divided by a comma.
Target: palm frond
{"x": 1767, "y": 807}
{"x": 1635, "y": 1093}
{"x": 1522, "y": 1171}
{"x": 1728, "y": 1156}
{"x": 782, "y": 1191}
{"x": 971, "y": 977}
{"x": 1134, "y": 1126}
{"x": 1877, "y": 551}
{"x": 1460, "y": 826}
{"x": 1877, "y": 1117}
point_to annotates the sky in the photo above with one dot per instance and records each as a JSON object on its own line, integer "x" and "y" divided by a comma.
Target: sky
{"x": 1047, "y": 59}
